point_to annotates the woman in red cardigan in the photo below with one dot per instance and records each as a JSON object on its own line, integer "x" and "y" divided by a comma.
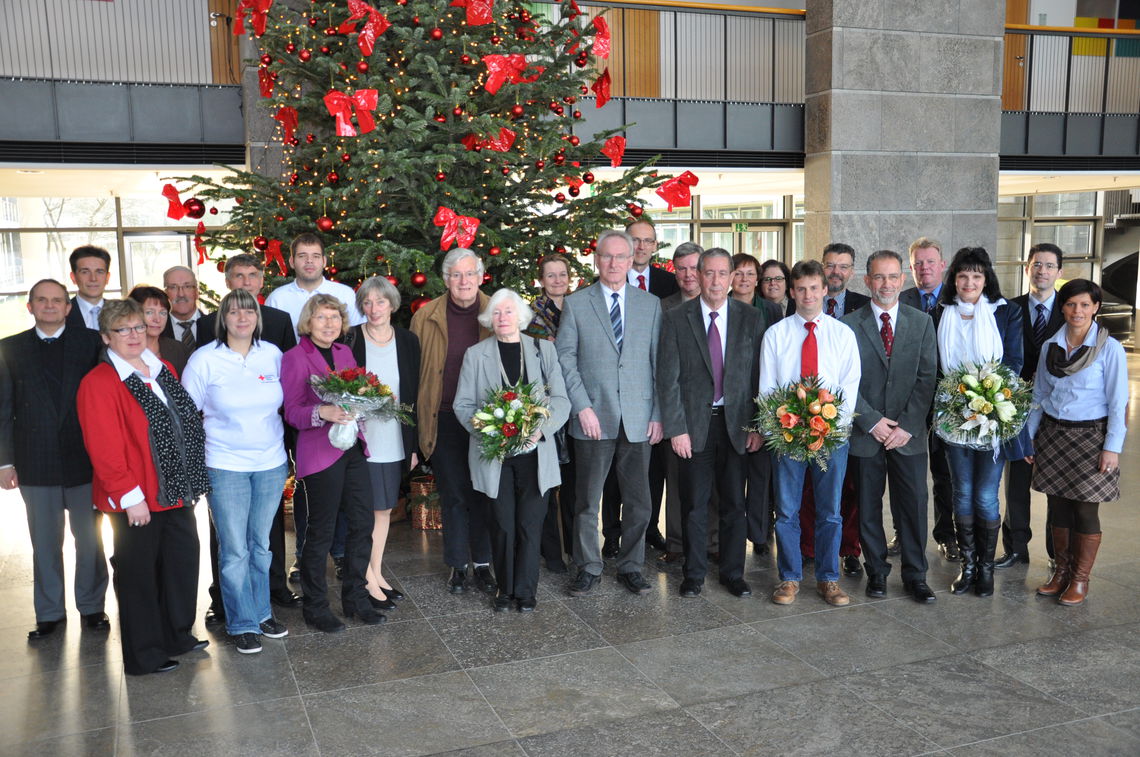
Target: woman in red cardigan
{"x": 146, "y": 443}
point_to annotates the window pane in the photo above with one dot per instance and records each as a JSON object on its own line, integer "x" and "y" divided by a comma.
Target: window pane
{"x": 1070, "y": 204}
{"x": 669, "y": 235}
{"x": 1011, "y": 207}
{"x": 731, "y": 207}
{"x": 762, "y": 245}
{"x": 28, "y": 257}
{"x": 151, "y": 211}
{"x": 797, "y": 243}
{"x": 1009, "y": 277}
{"x": 1010, "y": 241}
{"x": 723, "y": 239}
{"x": 798, "y": 207}
{"x": 1074, "y": 239}
{"x": 58, "y": 212}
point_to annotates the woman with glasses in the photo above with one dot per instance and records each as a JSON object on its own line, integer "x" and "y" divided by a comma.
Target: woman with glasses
{"x": 774, "y": 277}
{"x": 147, "y": 447}
{"x": 156, "y": 314}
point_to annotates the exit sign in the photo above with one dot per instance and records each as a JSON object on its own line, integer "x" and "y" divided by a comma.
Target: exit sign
{"x": 740, "y": 227}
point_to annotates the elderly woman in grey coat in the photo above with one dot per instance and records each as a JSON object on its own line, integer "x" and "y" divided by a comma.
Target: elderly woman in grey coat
{"x": 515, "y": 486}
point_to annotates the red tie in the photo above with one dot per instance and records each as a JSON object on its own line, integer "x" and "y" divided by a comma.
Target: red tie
{"x": 809, "y": 353}
{"x": 887, "y": 333}
{"x": 641, "y": 282}
{"x": 831, "y": 303}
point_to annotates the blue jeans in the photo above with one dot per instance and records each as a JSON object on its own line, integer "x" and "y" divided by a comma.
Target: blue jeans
{"x": 828, "y": 485}
{"x": 242, "y": 505}
{"x": 975, "y": 477}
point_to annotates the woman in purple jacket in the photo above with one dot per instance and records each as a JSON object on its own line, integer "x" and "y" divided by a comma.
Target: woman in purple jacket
{"x": 334, "y": 480}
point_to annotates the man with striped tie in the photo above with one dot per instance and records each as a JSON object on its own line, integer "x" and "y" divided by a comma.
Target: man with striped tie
{"x": 607, "y": 345}
{"x": 1041, "y": 318}
{"x": 181, "y": 287}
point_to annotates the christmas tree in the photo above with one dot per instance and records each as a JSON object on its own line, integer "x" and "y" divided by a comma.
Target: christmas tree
{"x": 413, "y": 126}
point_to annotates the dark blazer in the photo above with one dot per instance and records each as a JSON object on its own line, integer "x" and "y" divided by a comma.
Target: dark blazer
{"x": 169, "y": 330}
{"x": 852, "y": 302}
{"x": 684, "y": 372}
{"x": 1032, "y": 349}
{"x": 75, "y": 316}
{"x": 661, "y": 282}
{"x": 276, "y": 328}
{"x": 407, "y": 362}
{"x": 900, "y": 387}
{"x": 43, "y": 441}
{"x": 174, "y": 352}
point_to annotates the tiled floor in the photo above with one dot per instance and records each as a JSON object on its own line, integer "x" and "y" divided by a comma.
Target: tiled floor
{"x": 614, "y": 674}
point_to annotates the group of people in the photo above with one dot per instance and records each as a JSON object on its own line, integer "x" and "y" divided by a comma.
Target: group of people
{"x": 136, "y": 408}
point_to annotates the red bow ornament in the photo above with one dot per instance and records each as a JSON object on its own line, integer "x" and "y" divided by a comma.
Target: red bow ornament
{"x": 288, "y": 118}
{"x": 601, "y": 88}
{"x": 574, "y": 181}
{"x": 176, "y": 211}
{"x": 602, "y": 38}
{"x": 376, "y": 25}
{"x": 456, "y": 228}
{"x": 501, "y": 143}
{"x": 478, "y": 11}
{"x": 343, "y": 106}
{"x": 675, "y": 191}
{"x": 504, "y": 68}
{"x": 265, "y": 82}
{"x": 273, "y": 255}
{"x": 614, "y": 149}
{"x": 257, "y": 10}
{"x": 201, "y": 248}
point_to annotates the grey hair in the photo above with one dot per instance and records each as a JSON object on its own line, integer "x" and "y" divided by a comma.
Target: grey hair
{"x": 460, "y": 253}
{"x": 616, "y": 233}
{"x": 522, "y": 307}
{"x": 883, "y": 254}
{"x": 174, "y": 268}
{"x": 687, "y": 248}
{"x": 714, "y": 252}
{"x": 381, "y": 286}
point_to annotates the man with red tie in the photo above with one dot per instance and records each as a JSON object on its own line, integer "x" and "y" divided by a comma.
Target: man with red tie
{"x": 646, "y": 277}
{"x": 808, "y": 343}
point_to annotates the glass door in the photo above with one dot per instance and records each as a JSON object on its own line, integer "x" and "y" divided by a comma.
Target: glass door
{"x": 148, "y": 255}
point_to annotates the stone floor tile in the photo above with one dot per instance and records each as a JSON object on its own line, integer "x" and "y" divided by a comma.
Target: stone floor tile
{"x": 624, "y": 617}
{"x": 58, "y": 703}
{"x": 1088, "y": 738}
{"x": 489, "y": 638}
{"x": 1000, "y": 621}
{"x": 664, "y": 734}
{"x": 97, "y": 743}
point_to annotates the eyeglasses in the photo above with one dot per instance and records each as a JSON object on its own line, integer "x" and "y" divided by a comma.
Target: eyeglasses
{"x": 770, "y": 279}
{"x": 179, "y": 287}
{"x": 1044, "y": 266}
{"x": 327, "y": 318}
{"x": 608, "y": 258}
{"x": 457, "y": 275}
{"x": 127, "y": 330}
{"x": 643, "y": 240}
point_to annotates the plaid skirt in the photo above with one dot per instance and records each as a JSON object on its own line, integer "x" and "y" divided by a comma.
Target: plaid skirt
{"x": 1067, "y": 461}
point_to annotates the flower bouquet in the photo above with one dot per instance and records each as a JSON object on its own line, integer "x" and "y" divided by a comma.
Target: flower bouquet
{"x": 509, "y": 417}
{"x": 358, "y": 391}
{"x": 801, "y": 421}
{"x": 981, "y": 406}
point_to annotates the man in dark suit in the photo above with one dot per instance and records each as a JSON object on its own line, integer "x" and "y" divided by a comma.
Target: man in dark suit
{"x": 1040, "y": 320}
{"x": 927, "y": 267}
{"x": 642, "y": 275}
{"x": 42, "y": 452}
{"x": 90, "y": 271}
{"x": 898, "y": 354}
{"x": 181, "y": 287}
{"x": 246, "y": 272}
{"x": 707, "y": 373}
{"x": 838, "y": 267}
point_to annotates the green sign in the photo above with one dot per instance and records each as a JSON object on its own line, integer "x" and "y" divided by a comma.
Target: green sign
{"x": 740, "y": 227}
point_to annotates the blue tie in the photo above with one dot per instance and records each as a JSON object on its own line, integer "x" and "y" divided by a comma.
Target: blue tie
{"x": 1040, "y": 325}
{"x": 615, "y": 319}
{"x": 927, "y": 302}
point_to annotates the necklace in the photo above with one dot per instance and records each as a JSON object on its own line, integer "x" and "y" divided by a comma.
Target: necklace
{"x": 368, "y": 331}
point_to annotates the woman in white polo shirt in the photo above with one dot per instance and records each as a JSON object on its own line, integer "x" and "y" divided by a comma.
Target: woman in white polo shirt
{"x": 236, "y": 383}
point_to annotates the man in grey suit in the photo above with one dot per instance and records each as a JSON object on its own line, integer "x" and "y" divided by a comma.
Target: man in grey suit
{"x": 607, "y": 346}
{"x": 888, "y": 438}
{"x": 707, "y": 373}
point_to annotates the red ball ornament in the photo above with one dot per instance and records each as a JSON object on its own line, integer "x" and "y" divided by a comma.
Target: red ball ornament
{"x": 325, "y": 224}
{"x": 574, "y": 191}
{"x": 560, "y": 250}
{"x": 559, "y": 158}
{"x": 465, "y": 59}
{"x": 343, "y": 66}
{"x": 379, "y": 257}
{"x": 330, "y": 31}
{"x": 332, "y": 269}
{"x": 441, "y": 118}
{"x": 588, "y": 177}
{"x": 195, "y": 208}
{"x": 496, "y": 39}
{"x": 560, "y": 110}
{"x": 577, "y": 114}
{"x": 517, "y": 111}
{"x": 401, "y": 2}
{"x": 574, "y": 140}
{"x": 213, "y": 211}
{"x": 441, "y": 176}
{"x": 415, "y": 20}
{"x": 584, "y": 89}
{"x": 560, "y": 198}
{"x": 420, "y": 301}
{"x": 221, "y": 266}
{"x": 362, "y": 66}
{"x": 290, "y": 47}
{"x": 487, "y": 279}
{"x": 540, "y": 164}
{"x": 346, "y": 157}
{"x": 309, "y": 138}
{"x": 636, "y": 211}
{"x": 393, "y": 280}
{"x": 436, "y": 34}
{"x": 313, "y": 22}
{"x": 419, "y": 279}
{"x": 326, "y": 49}
{"x": 506, "y": 170}
{"x": 294, "y": 178}
{"x": 569, "y": 99}
{"x": 260, "y": 243}
{"x": 581, "y": 62}
{"x": 293, "y": 141}
{"x": 494, "y": 251}
{"x": 305, "y": 55}
{"x": 333, "y": 177}
{"x": 266, "y": 60}
{"x": 457, "y": 111}
{"x": 279, "y": 218}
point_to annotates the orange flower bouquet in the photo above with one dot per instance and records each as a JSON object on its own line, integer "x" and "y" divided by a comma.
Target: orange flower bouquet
{"x": 801, "y": 420}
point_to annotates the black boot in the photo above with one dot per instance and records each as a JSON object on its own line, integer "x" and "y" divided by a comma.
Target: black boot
{"x": 987, "y": 539}
{"x": 964, "y": 526}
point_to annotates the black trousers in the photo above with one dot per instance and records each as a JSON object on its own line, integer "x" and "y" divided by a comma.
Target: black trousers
{"x": 516, "y": 527}
{"x": 156, "y": 584}
{"x": 612, "y": 495}
{"x": 906, "y": 475}
{"x": 758, "y": 503}
{"x": 343, "y": 487}
{"x": 943, "y": 490}
{"x": 558, "y": 526}
{"x": 717, "y": 465}
{"x": 465, "y": 512}
{"x": 1015, "y": 530}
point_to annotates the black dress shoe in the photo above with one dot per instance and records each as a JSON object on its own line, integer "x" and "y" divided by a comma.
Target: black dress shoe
{"x": 737, "y": 587}
{"x": 949, "y": 551}
{"x": 485, "y": 580}
{"x": 167, "y": 666}
{"x": 216, "y": 615}
{"x": 199, "y": 645}
{"x": 610, "y": 548}
{"x": 851, "y": 566}
{"x": 457, "y": 584}
{"x": 876, "y": 586}
{"x": 381, "y": 604}
{"x": 556, "y": 566}
{"x": 761, "y": 549}
{"x": 365, "y": 615}
{"x": 893, "y": 547}
{"x": 501, "y": 602}
{"x": 583, "y": 584}
{"x": 653, "y": 538}
{"x": 284, "y": 598}
{"x": 97, "y": 621}
{"x": 920, "y": 592}
{"x": 340, "y": 565}
{"x": 326, "y": 622}
{"x": 526, "y": 605}
{"x": 45, "y": 628}
{"x": 393, "y": 594}
{"x": 1009, "y": 559}
{"x": 634, "y": 581}
{"x": 295, "y": 572}
{"x": 690, "y": 588}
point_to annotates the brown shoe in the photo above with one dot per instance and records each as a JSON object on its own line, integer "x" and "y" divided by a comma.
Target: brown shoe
{"x": 786, "y": 592}
{"x": 1059, "y": 581}
{"x": 671, "y": 558}
{"x": 832, "y": 594}
{"x": 1083, "y": 549}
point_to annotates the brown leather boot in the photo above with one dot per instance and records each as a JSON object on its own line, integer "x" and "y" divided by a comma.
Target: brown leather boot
{"x": 1059, "y": 581}
{"x": 1084, "y": 550}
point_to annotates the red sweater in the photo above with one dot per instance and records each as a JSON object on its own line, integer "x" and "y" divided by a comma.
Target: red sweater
{"x": 115, "y": 433}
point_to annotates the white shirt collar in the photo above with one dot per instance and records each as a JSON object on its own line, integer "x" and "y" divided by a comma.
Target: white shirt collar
{"x": 125, "y": 369}
{"x": 44, "y": 335}
{"x": 817, "y": 320}
{"x": 893, "y": 312}
{"x": 1048, "y": 303}
{"x": 192, "y": 319}
{"x": 722, "y": 312}
{"x": 607, "y": 291}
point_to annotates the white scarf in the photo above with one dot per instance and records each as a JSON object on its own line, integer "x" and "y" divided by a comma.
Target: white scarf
{"x": 977, "y": 341}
